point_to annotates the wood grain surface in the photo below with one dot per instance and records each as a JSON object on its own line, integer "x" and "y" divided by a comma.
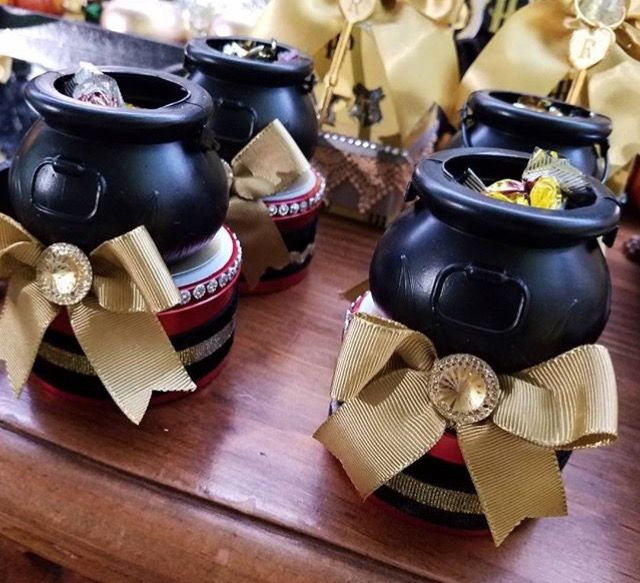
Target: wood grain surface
{"x": 228, "y": 485}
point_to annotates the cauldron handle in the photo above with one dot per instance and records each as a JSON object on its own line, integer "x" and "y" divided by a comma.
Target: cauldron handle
{"x": 604, "y": 165}
{"x": 465, "y": 115}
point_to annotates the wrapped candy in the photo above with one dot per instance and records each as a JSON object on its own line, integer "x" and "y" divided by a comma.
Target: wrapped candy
{"x": 91, "y": 85}
{"x": 548, "y": 181}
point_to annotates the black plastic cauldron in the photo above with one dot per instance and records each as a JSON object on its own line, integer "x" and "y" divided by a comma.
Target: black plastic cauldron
{"x": 491, "y": 120}
{"x": 85, "y": 173}
{"x": 510, "y": 284}
{"x": 249, "y": 94}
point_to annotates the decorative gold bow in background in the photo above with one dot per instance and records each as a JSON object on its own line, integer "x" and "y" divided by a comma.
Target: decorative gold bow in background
{"x": 406, "y": 48}
{"x": 266, "y": 165}
{"x": 111, "y": 298}
{"x": 398, "y": 398}
{"x": 530, "y": 54}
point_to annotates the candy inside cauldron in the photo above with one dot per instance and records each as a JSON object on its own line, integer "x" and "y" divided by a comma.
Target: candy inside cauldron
{"x": 503, "y": 119}
{"x": 510, "y": 284}
{"x": 86, "y": 173}
{"x": 248, "y": 94}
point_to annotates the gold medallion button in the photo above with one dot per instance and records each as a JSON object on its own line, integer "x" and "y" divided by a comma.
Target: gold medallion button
{"x": 64, "y": 274}
{"x": 463, "y": 388}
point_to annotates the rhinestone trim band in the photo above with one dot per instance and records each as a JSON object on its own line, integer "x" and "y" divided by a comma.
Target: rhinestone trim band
{"x": 284, "y": 209}
{"x": 215, "y": 284}
{"x": 365, "y": 144}
{"x": 80, "y": 364}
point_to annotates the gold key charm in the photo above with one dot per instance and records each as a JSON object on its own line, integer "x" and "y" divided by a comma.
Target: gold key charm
{"x": 354, "y": 11}
{"x": 591, "y": 42}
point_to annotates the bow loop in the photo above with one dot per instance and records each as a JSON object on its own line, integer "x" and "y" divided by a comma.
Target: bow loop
{"x": 268, "y": 164}
{"x": 130, "y": 275}
{"x": 372, "y": 345}
{"x": 564, "y": 403}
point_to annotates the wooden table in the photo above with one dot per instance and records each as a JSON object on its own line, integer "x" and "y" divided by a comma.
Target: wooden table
{"x": 228, "y": 485}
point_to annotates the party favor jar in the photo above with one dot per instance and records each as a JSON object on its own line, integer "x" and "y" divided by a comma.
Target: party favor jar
{"x": 468, "y": 373}
{"x": 86, "y": 173}
{"x": 123, "y": 279}
{"x": 518, "y": 121}
{"x": 253, "y": 82}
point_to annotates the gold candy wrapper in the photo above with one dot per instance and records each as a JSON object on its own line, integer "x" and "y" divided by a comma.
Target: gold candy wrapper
{"x": 547, "y": 182}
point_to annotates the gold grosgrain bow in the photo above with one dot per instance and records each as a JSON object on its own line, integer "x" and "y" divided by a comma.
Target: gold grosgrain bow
{"x": 266, "y": 165}
{"x": 406, "y": 48}
{"x": 111, "y": 298}
{"x": 533, "y": 52}
{"x": 398, "y": 398}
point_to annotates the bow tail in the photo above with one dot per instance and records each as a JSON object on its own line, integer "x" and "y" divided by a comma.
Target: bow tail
{"x": 528, "y": 54}
{"x": 25, "y": 318}
{"x": 383, "y": 431}
{"x": 129, "y": 379}
{"x": 261, "y": 241}
{"x": 514, "y": 478}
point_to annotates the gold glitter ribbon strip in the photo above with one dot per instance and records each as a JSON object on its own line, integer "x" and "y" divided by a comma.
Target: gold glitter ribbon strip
{"x": 530, "y": 54}
{"x": 80, "y": 364}
{"x": 266, "y": 165}
{"x": 434, "y": 496}
{"x": 407, "y": 48}
{"x": 115, "y": 324}
{"x": 388, "y": 421}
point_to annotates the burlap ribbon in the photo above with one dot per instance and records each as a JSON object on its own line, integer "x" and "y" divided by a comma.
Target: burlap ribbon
{"x": 115, "y": 323}
{"x": 407, "y": 48}
{"x": 530, "y": 53}
{"x": 388, "y": 421}
{"x": 266, "y": 165}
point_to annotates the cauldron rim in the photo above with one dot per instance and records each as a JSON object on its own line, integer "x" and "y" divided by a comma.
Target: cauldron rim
{"x": 188, "y": 112}
{"x": 454, "y": 203}
{"x": 496, "y": 107}
{"x": 201, "y": 53}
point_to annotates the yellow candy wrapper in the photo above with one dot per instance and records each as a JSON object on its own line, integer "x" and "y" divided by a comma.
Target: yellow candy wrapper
{"x": 546, "y": 194}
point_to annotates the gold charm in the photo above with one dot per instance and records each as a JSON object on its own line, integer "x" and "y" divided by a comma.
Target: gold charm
{"x": 588, "y": 46}
{"x": 354, "y": 11}
{"x": 64, "y": 274}
{"x": 591, "y": 43}
{"x": 357, "y": 10}
{"x": 463, "y": 389}
{"x": 601, "y": 13}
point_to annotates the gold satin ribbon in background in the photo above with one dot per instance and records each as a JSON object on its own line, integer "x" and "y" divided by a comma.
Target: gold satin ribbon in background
{"x": 530, "y": 54}
{"x": 387, "y": 420}
{"x": 407, "y": 49}
{"x": 268, "y": 164}
{"x": 115, "y": 324}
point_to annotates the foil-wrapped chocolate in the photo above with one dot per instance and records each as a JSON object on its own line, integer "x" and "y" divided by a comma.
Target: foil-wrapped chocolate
{"x": 547, "y": 182}
{"x": 91, "y": 85}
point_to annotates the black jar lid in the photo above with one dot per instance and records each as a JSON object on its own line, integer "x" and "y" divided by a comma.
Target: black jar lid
{"x": 577, "y": 125}
{"x": 164, "y": 105}
{"x": 437, "y": 181}
{"x": 206, "y": 54}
